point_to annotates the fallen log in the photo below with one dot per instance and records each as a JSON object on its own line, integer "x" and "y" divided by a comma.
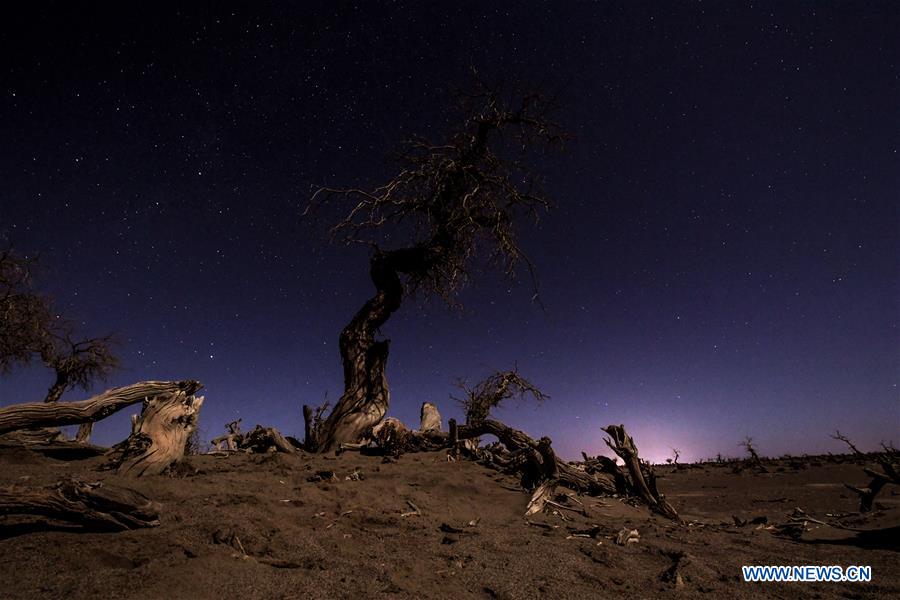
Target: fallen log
{"x": 259, "y": 440}
{"x": 57, "y": 414}
{"x": 97, "y": 506}
{"x": 159, "y": 435}
{"x": 266, "y": 439}
{"x": 536, "y": 462}
{"x": 597, "y": 483}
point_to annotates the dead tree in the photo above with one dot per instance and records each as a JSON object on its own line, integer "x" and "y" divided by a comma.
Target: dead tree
{"x": 890, "y": 475}
{"x": 77, "y": 363}
{"x": 458, "y": 198}
{"x": 259, "y": 440}
{"x": 755, "y": 461}
{"x": 30, "y": 328}
{"x": 25, "y": 316}
{"x": 58, "y": 414}
{"x": 92, "y": 506}
{"x": 313, "y": 420}
{"x": 643, "y": 480}
{"x": 231, "y": 439}
{"x": 676, "y": 453}
{"x": 491, "y": 392}
{"x": 159, "y": 434}
{"x": 429, "y": 417}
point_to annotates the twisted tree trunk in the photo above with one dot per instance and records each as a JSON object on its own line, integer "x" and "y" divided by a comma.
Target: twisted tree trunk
{"x": 159, "y": 434}
{"x": 366, "y": 395}
{"x": 645, "y": 487}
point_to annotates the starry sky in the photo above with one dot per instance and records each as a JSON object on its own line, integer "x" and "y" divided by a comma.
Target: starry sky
{"x": 721, "y": 261}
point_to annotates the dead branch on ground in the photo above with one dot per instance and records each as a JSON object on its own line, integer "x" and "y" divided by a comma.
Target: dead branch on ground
{"x": 89, "y": 505}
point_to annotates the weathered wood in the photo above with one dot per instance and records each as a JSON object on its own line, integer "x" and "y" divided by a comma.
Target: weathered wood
{"x": 429, "y": 417}
{"x": 393, "y": 436}
{"x": 265, "y": 439}
{"x": 516, "y": 441}
{"x": 258, "y": 440}
{"x": 41, "y": 436}
{"x": 84, "y": 432}
{"x": 57, "y": 414}
{"x": 887, "y": 460}
{"x": 159, "y": 434}
{"x": 90, "y": 505}
{"x": 454, "y": 437}
{"x": 309, "y": 432}
{"x": 231, "y": 439}
{"x": 622, "y": 444}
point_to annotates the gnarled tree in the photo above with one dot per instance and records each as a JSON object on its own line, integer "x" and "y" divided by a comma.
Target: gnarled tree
{"x": 25, "y": 316}
{"x": 29, "y": 329}
{"x": 493, "y": 391}
{"x": 456, "y": 200}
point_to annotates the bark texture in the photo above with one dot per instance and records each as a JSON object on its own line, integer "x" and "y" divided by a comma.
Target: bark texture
{"x": 89, "y": 505}
{"x": 57, "y": 414}
{"x": 159, "y": 435}
{"x": 429, "y": 418}
{"x": 366, "y": 396}
{"x": 643, "y": 481}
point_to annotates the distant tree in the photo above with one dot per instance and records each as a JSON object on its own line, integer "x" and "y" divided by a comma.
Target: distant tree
{"x": 676, "y": 452}
{"x": 747, "y": 444}
{"x": 29, "y": 330}
{"x": 449, "y": 203}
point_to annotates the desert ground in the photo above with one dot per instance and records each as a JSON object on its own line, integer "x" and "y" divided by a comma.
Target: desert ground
{"x": 421, "y": 526}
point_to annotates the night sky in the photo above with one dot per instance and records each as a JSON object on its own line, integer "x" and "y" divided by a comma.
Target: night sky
{"x": 721, "y": 261}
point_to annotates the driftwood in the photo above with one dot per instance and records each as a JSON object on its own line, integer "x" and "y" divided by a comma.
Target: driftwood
{"x": 89, "y": 505}
{"x": 57, "y": 414}
{"x": 159, "y": 435}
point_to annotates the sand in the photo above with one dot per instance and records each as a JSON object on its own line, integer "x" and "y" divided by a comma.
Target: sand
{"x": 256, "y": 526}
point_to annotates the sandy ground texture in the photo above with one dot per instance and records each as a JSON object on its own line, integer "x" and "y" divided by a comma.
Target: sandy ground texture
{"x": 267, "y": 526}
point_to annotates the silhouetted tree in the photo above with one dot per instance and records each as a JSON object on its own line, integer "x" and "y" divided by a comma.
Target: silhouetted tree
{"x": 25, "y": 317}
{"x": 30, "y": 330}
{"x": 77, "y": 363}
{"x": 491, "y": 392}
{"x": 449, "y": 202}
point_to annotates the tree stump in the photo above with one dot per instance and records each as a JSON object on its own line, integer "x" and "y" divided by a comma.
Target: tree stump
{"x": 429, "y": 417}
{"x": 159, "y": 434}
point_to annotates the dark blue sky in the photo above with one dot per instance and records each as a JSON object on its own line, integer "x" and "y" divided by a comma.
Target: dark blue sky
{"x": 722, "y": 260}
